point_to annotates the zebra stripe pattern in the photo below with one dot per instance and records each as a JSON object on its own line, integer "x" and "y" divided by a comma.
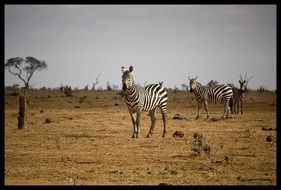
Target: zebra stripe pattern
{"x": 139, "y": 99}
{"x": 203, "y": 94}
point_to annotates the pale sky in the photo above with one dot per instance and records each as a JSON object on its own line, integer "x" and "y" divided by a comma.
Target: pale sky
{"x": 162, "y": 42}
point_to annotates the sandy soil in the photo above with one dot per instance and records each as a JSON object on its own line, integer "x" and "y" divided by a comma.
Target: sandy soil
{"x": 88, "y": 142}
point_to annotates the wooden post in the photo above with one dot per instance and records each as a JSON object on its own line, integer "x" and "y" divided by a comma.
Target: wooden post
{"x": 22, "y": 112}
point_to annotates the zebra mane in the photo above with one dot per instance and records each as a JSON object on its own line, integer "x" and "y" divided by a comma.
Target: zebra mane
{"x": 198, "y": 83}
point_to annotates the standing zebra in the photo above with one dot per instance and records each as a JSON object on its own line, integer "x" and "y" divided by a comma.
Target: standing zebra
{"x": 238, "y": 97}
{"x": 203, "y": 94}
{"x": 140, "y": 99}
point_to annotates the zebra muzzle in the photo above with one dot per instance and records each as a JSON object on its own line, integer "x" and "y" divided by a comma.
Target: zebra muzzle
{"x": 124, "y": 87}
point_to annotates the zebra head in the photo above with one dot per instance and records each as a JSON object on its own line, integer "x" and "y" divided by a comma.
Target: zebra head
{"x": 242, "y": 85}
{"x": 193, "y": 84}
{"x": 127, "y": 78}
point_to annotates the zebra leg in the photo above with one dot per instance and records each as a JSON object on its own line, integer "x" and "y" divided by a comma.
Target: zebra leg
{"x": 238, "y": 106}
{"x": 152, "y": 115}
{"x": 234, "y": 106}
{"x": 134, "y": 126}
{"x": 241, "y": 107}
{"x": 226, "y": 109}
{"x": 199, "y": 107}
{"x": 164, "y": 118}
{"x": 206, "y": 108}
{"x": 231, "y": 105}
{"x": 138, "y": 124}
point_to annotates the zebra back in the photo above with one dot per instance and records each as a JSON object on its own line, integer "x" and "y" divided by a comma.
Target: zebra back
{"x": 155, "y": 95}
{"x": 217, "y": 93}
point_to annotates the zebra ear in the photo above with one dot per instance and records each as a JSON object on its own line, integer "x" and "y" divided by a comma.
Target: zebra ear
{"x": 123, "y": 69}
{"x": 240, "y": 81}
{"x": 196, "y": 78}
{"x": 131, "y": 68}
{"x": 189, "y": 78}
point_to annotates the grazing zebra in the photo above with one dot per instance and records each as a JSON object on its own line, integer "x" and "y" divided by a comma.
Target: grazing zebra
{"x": 238, "y": 97}
{"x": 140, "y": 99}
{"x": 203, "y": 94}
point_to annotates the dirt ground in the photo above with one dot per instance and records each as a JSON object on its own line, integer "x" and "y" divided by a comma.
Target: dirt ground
{"x": 88, "y": 142}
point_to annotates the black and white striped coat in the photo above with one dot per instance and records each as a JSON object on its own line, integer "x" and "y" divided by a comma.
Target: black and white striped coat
{"x": 139, "y": 99}
{"x": 204, "y": 94}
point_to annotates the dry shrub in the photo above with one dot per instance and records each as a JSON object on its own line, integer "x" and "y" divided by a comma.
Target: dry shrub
{"x": 200, "y": 145}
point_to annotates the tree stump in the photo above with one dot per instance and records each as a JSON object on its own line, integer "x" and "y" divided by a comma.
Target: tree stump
{"x": 22, "y": 113}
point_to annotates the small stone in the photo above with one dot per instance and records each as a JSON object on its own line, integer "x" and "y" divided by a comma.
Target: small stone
{"x": 269, "y": 138}
{"x": 48, "y": 120}
{"x": 178, "y": 116}
{"x": 178, "y": 134}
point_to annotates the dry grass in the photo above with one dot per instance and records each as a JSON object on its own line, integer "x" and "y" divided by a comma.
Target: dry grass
{"x": 88, "y": 142}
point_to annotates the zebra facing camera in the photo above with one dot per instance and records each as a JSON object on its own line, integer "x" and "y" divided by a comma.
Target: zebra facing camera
{"x": 146, "y": 99}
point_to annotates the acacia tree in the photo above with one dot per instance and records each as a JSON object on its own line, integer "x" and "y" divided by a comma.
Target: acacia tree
{"x": 17, "y": 66}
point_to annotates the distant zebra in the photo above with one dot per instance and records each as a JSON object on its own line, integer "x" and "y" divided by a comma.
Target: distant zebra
{"x": 203, "y": 94}
{"x": 140, "y": 99}
{"x": 238, "y": 97}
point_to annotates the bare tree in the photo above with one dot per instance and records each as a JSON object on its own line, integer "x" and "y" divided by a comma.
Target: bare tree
{"x": 17, "y": 66}
{"x": 16, "y": 86}
{"x": 108, "y": 87}
{"x": 184, "y": 87}
{"x": 262, "y": 88}
{"x": 245, "y": 80}
{"x": 86, "y": 87}
{"x": 115, "y": 87}
{"x": 175, "y": 89}
{"x": 97, "y": 81}
{"x": 61, "y": 87}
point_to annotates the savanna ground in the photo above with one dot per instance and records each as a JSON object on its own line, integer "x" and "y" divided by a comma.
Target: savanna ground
{"x": 88, "y": 142}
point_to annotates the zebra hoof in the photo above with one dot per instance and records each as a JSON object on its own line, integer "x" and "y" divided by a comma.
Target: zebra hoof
{"x": 148, "y": 135}
{"x": 197, "y": 117}
{"x": 164, "y": 134}
{"x": 135, "y": 135}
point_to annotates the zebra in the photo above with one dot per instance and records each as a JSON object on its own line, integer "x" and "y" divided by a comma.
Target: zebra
{"x": 139, "y": 99}
{"x": 203, "y": 94}
{"x": 238, "y": 97}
